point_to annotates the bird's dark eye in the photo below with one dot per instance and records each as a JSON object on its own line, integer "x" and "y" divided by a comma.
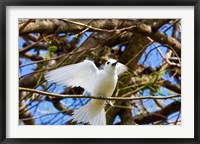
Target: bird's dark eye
{"x": 108, "y": 63}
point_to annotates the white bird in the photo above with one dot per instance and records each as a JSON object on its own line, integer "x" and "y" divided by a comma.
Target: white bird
{"x": 97, "y": 82}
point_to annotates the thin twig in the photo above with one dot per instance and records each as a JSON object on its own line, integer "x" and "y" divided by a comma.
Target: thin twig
{"x": 34, "y": 44}
{"x": 45, "y": 60}
{"x": 161, "y": 54}
{"x": 84, "y": 29}
{"x": 98, "y": 29}
{"x": 40, "y": 116}
{"x": 151, "y": 42}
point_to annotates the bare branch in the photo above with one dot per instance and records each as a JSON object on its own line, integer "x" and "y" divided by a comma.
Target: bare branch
{"x": 25, "y": 115}
{"x": 32, "y": 45}
{"x": 158, "y": 115}
{"x": 32, "y": 56}
{"x": 99, "y": 29}
{"x": 99, "y": 98}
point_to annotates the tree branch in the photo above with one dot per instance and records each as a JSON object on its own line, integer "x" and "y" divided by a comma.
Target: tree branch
{"x": 158, "y": 115}
{"x": 26, "y": 115}
{"x": 21, "y": 51}
{"x": 94, "y": 97}
{"x": 99, "y": 29}
{"x": 103, "y": 26}
{"x": 32, "y": 56}
{"x": 171, "y": 86}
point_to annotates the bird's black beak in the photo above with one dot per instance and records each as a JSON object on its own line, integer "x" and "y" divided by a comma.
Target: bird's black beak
{"x": 114, "y": 64}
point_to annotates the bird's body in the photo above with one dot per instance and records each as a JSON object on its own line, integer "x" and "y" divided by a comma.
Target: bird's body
{"x": 96, "y": 82}
{"x": 106, "y": 83}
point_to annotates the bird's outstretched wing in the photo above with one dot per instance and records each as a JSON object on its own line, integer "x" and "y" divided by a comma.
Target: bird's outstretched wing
{"x": 82, "y": 74}
{"x": 121, "y": 68}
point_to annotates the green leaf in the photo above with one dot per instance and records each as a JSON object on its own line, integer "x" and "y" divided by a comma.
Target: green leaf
{"x": 52, "y": 48}
{"x": 40, "y": 78}
{"x": 76, "y": 37}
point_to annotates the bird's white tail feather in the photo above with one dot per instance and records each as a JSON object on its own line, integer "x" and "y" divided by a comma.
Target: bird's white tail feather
{"x": 93, "y": 113}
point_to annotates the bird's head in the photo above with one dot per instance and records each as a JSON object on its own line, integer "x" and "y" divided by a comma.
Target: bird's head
{"x": 110, "y": 65}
